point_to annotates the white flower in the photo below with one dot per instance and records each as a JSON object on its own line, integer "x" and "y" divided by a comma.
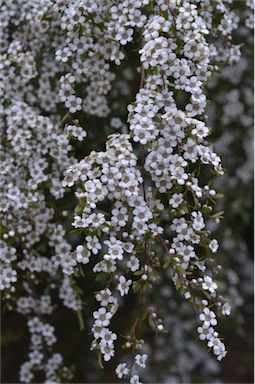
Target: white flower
{"x": 205, "y": 333}
{"x": 214, "y": 245}
{"x": 116, "y": 122}
{"x": 218, "y": 347}
{"x": 123, "y": 285}
{"x": 140, "y": 360}
{"x": 102, "y": 317}
{"x": 128, "y": 247}
{"x": 226, "y": 309}
{"x": 108, "y": 337}
{"x": 176, "y": 200}
{"x": 108, "y": 351}
{"x": 93, "y": 244}
{"x": 133, "y": 263}
{"x": 73, "y": 103}
{"x": 82, "y": 254}
{"x": 105, "y": 297}
{"x": 121, "y": 370}
{"x": 208, "y": 317}
{"x": 119, "y": 216}
{"x": 115, "y": 251}
{"x": 135, "y": 380}
{"x": 198, "y": 221}
{"x": 209, "y": 284}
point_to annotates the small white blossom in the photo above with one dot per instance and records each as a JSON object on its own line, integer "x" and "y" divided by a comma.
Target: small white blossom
{"x": 140, "y": 360}
{"x": 208, "y": 317}
{"x": 209, "y": 284}
{"x": 122, "y": 370}
{"x": 135, "y": 380}
{"x": 226, "y": 309}
{"x": 214, "y": 245}
{"x": 124, "y": 285}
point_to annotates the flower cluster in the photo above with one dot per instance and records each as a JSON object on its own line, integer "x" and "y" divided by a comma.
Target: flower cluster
{"x": 173, "y": 141}
{"x": 112, "y": 175}
{"x": 35, "y": 151}
{"x": 143, "y": 209}
{"x": 233, "y": 110}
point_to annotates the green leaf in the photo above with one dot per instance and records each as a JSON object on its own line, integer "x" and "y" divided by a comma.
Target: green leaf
{"x": 177, "y": 284}
{"x": 79, "y": 209}
{"x": 184, "y": 208}
{"x": 136, "y": 287}
{"x": 179, "y": 93}
{"x": 138, "y": 273}
{"x": 83, "y": 57}
{"x": 151, "y": 322}
{"x": 207, "y": 294}
{"x": 99, "y": 361}
{"x": 76, "y": 27}
{"x": 139, "y": 248}
{"x": 166, "y": 264}
{"x": 180, "y": 269}
{"x": 34, "y": 206}
{"x": 109, "y": 268}
{"x": 73, "y": 231}
{"x": 100, "y": 276}
{"x": 78, "y": 290}
{"x": 148, "y": 235}
{"x": 81, "y": 270}
{"x": 144, "y": 315}
{"x": 77, "y": 273}
{"x": 165, "y": 14}
{"x": 218, "y": 215}
{"x": 207, "y": 240}
{"x": 196, "y": 201}
{"x": 154, "y": 272}
{"x": 80, "y": 319}
{"x": 44, "y": 16}
{"x": 218, "y": 196}
{"x": 206, "y": 209}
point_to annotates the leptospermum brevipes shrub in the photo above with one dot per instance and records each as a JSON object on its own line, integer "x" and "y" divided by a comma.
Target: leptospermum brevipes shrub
{"x": 104, "y": 129}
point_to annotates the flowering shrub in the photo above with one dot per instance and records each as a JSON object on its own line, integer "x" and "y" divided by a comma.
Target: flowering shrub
{"x": 136, "y": 158}
{"x": 233, "y": 110}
